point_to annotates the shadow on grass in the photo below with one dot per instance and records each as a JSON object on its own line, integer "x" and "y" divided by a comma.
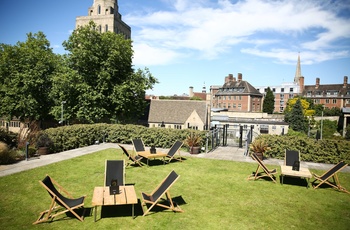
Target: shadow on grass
{"x": 159, "y": 161}
{"x": 176, "y": 200}
{"x": 298, "y": 181}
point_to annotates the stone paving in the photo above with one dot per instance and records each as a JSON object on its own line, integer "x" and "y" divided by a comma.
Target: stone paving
{"x": 220, "y": 153}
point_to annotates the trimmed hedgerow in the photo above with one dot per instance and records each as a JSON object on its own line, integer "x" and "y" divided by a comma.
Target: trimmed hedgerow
{"x": 321, "y": 151}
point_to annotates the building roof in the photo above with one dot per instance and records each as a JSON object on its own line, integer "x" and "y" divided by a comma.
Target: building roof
{"x": 322, "y": 90}
{"x": 175, "y": 111}
{"x": 239, "y": 88}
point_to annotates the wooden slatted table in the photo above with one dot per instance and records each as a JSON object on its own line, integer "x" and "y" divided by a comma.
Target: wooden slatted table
{"x": 302, "y": 173}
{"x": 148, "y": 155}
{"x": 102, "y": 197}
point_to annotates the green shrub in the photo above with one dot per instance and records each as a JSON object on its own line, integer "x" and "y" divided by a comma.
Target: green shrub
{"x": 7, "y": 156}
{"x": 10, "y": 138}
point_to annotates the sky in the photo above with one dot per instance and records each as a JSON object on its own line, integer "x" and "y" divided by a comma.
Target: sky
{"x": 199, "y": 42}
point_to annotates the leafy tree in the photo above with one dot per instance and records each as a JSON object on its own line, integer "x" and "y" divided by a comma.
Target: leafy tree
{"x": 97, "y": 80}
{"x": 296, "y": 119}
{"x": 269, "y": 102}
{"x": 26, "y": 69}
{"x": 305, "y": 103}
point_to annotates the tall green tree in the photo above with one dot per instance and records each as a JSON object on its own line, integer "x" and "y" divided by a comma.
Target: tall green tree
{"x": 269, "y": 102}
{"x": 296, "y": 118}
{"x": 25, "y": 78}
{"x": 97, "y": 81}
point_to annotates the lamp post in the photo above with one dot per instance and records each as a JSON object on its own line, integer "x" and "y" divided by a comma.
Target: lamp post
{"x": 322, "y": 122}
{"x": 62, "y": 109}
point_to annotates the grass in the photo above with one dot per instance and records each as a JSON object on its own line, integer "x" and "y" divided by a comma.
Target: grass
{"x": 214, "y": 193}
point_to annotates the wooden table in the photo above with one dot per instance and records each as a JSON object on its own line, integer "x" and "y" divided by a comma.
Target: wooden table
{"x": 302, "y": 173}
{"x": 102, "y": 197}
{"x": 148, "y": 155}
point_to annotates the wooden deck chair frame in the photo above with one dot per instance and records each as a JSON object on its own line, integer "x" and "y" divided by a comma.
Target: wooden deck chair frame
{"x": 114, "y": 170}
{"x": 290, "y": 156}
{"x": 264, "y": 173}
{"x": 156, "y": 195}
{"x": 331, "y": 173}
{"x": 175, "y": 148}
{"x": 138, "y": 144}
{"x": 58, "y": 201}
{"x": 133, "y": 159}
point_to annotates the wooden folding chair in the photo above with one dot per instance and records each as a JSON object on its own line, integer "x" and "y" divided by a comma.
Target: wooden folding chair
{"x": 331, "y": 173}
{"x": 138, "y": 145}
{"x": 134, "y": 159}
{"x": 173, "y": 150}
{"x": 291, "y": 156}
{"x": 114, "y": 170}
{"x": 163, "y": 188}
{"x": 59, "y": 201}
{"x": 264, "y": 173}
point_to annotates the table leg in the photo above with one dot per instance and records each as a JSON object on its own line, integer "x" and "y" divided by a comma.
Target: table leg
{"x": 95, "y": 213}
{"x": 132, "y": 210}
{"x": 282, "y": 179}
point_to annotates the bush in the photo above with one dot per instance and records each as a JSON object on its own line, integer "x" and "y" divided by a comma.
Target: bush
{"x": 10, "y": 138}
{"x": 7, "y": 156}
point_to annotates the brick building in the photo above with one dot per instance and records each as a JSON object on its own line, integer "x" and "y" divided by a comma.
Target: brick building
{"x": 105, "y": 13}
{"x": 236, "y": 95}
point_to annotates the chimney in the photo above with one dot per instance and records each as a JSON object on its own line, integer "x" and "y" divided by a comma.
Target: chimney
{"x": 317, "y": 83}
{"x": 191, "y": 91}
{"x": 345, "y": 81}
{"x": 229, "y": 78}
{"x": 301, "y": 84}
{"x": 239, "y": 77}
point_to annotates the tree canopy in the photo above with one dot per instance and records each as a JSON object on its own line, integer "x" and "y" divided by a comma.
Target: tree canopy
{"x": 25, "y": 82}
{"x": 296, "y": 119}
{"x": 95, "y": 79}
{"x": 269, "y": 102}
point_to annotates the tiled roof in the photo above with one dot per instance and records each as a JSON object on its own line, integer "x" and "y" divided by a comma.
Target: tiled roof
{"x": 175, "y": 111}
{"x": 238, "y": 87}
{"x": 323, "y": 89}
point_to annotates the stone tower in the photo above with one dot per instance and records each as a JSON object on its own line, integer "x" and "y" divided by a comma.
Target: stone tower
{"x": 105, "y": 14}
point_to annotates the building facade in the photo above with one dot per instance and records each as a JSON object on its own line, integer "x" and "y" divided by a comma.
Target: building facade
{"x": 329, "y": 95}
{"x": 236, "y": 95}
{"x": 105, "y": 14}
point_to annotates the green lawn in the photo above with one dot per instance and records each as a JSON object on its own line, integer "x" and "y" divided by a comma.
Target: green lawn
{"x": 214, "y": 194}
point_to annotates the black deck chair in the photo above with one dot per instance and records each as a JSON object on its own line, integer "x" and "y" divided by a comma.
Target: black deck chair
{"x": 163, "y": 188}
{"x": 59, "y": 201}
{"x": 264, "y": 173}
{"x": 134, "y": 159}
{"x": 115, "y": 170}
{"x": 291, "y": 156}
{"x": 138, "y": 145}
{"x": 173, "y": 150}
{"x": 331, "y": 173}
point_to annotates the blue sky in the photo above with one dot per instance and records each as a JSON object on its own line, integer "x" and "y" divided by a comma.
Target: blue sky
{"x": 191, "y": 43}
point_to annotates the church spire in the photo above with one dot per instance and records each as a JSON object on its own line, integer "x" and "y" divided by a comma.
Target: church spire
{"x": 298, "y": 71}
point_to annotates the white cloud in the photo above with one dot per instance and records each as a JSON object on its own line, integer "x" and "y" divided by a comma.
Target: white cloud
{"x": 210, "y": 30}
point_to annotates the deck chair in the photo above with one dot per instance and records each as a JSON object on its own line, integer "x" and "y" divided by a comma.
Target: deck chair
{"x": 138, "y": 145}
{"x": 154, "y": 197}
{"x": 115, "y": 170}
{"x": 331, "y": 173}
{"x": 173, "y": 150}
{"x": 58, "y": 201}
{"x": 266, "y": 172}
{"x": 290, "y": 156}
{"x": 134, "y": 159}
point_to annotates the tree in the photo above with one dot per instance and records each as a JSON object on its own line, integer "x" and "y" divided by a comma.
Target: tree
{"x": 305, "y": 104}
{"x": 97, "y": 80}
{"x": 296, "y": 119}
{"x": 269, "y": 102}
{"x": 26, "y": 69}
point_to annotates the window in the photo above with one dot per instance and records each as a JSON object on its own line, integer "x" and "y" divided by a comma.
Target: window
{"x": 273, "y": 90}
{"x": 239, "y": 97}
{"x": 100, "y": 28}
{"x": 327, "y": 101}
{"x": 282, "y": 96}
{"x": 282, "y": 90}
{"x": 308, "y": 93}
{"x": 99, "y": 9}
{"x": 291, "y": 90}
{"x": 264, "y": 129}
{"x": 334, "y": 101}
{"x": 106, "y": 28}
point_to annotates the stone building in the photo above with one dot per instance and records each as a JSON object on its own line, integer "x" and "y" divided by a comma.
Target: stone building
{"x": 236, "y": 95}
{"x": 105, "y": 13}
